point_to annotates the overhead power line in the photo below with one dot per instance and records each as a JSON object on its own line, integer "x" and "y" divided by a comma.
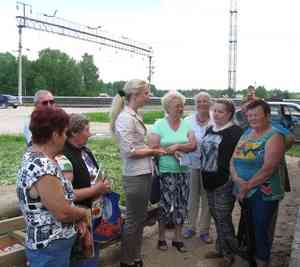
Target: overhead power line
{"x": 60, "y": 26}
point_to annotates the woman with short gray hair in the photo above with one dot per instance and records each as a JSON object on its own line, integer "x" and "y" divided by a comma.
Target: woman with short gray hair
{"x": 175, "y": 135}
{"x": 169, "y": 97}
{"x": 199, "y": 121}
{"x": 130, "y": 131}
{"x": 81, "y": 166}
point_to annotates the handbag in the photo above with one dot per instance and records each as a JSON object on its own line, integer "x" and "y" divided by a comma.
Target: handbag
{"x": 108, "y": 226}
{"x": 155, "y": 188}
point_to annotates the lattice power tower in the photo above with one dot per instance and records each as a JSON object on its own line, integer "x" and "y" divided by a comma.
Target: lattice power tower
{"x": 233, "y": 12}
{"x": 53, "y": 24}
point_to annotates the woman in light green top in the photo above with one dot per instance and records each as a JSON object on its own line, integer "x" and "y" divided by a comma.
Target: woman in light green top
{"x": 175, "y": 135}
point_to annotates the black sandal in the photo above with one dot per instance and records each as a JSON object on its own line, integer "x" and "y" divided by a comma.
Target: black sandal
{"x": 179, "y": 245}
{"x": 122, "y": 264}
{"x": 162, "y": 245}
{"x": 139, "y": 263}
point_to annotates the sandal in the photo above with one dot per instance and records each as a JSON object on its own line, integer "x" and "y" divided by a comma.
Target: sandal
{"x": 138, "y": 263}
{"x": 179, "y": 245}
{"x": 122, "y": 264}
{"x": 162, "y": 245}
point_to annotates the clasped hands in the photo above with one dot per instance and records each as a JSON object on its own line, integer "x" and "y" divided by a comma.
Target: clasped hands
{"x": 244, "y": 189}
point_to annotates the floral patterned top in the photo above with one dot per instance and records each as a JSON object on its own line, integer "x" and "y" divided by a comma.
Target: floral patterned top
{"x": 248, "y": 159}
{"x": 41, "y": 226}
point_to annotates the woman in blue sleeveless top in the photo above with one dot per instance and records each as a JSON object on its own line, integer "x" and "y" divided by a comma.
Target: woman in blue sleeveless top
{"x": 254, "y": 169}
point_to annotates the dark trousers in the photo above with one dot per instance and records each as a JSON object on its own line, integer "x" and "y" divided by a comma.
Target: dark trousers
{"x": 262, "y": 213}
{"x": 221, "y": 203}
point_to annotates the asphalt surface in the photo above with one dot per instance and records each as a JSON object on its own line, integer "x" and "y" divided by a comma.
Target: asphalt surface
{"x": 12, "y": 120}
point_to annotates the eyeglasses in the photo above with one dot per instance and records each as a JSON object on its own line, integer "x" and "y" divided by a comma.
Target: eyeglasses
{"x": 48, "y": 102}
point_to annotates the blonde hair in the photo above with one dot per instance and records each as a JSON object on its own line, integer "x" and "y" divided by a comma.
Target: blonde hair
{"x": 169, "y": 97}
{"x": 131, "y": 87}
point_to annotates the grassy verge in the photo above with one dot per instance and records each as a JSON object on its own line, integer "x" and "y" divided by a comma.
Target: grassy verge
{"x": 149, "y": 116}
{"x": 12, "y": 149}
{"x": 294, "y": 151}
{"x": 97, "y": 116}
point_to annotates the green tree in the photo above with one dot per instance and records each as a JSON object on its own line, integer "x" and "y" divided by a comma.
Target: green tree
{"x": 278, "y": 94}
{"x": 8, "y": 73}
{"x": 89, "y": 72}
{"x": 62, "y": 73}
{"x": 28, "y": 75}
{"x": 261, "y": 92}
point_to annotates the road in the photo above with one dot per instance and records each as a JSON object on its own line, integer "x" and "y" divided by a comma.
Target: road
{"x": 12, "y": 120}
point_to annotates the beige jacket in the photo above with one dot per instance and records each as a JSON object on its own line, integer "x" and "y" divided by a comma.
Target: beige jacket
{"x": 131, "y": 131}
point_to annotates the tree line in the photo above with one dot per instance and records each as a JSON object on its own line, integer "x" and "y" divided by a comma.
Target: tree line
{"x": 64, "y": 76}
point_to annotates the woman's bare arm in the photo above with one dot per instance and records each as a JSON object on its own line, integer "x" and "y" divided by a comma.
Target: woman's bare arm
{"x": 52, "y": 196}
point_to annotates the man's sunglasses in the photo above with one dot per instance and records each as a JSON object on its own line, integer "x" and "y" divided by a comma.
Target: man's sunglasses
{"x": 48, "y": 102}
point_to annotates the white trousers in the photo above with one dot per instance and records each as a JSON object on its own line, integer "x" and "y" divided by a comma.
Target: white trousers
{"x": 198, "y": 195}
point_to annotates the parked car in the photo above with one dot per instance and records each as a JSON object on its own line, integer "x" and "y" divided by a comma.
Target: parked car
{"x": 12, "y": 101}
{"x": 3, "y": 101}
{"x": 288, "y": 115}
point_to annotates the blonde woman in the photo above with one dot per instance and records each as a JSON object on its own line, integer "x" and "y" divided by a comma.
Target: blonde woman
{"x": 130, "y": 131}
{"x": 175, "y": 135}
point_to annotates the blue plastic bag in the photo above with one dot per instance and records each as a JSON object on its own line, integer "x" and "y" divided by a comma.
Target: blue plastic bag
{"x": 108, "y": 225}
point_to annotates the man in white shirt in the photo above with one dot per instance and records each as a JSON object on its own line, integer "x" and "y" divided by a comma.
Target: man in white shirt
{"x": 41, "y": 98}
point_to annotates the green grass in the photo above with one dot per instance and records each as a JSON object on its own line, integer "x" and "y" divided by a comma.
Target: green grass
{"x": 105, "y": 151}
{"x": 294, "y": 151}
{"x": 98, "y": 116}
{"x": 12, "y": 149}
{"x": 149, "y": 116}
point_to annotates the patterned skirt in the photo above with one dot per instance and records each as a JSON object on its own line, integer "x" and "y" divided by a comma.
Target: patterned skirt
{"x": 174, "y": 195}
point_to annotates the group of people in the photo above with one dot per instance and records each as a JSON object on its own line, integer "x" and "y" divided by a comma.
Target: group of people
{"x": 204, "y": 156}
{"x": 55, "y": 184}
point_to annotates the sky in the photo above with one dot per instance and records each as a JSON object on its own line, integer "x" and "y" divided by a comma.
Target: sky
{"x": 189, "y": 39}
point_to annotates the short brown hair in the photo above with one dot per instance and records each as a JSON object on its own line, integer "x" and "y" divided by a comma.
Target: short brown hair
{"x": 260, "y": 103}
{"x": 45, "y": 121}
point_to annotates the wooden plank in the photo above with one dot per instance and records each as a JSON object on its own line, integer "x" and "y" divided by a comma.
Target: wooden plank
{"x": 15, "y": 258}
{"x": 11, "y": 224}
{"x": 12, "y": 251}
{"x": 19, "y": 235}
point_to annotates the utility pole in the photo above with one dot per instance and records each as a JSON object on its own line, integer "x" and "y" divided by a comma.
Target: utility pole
{"x": 20, "y": 66}
{"x": 21, "y": 25}
{"x": 150, "y": 69}
{"x": 232, "y": 62}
